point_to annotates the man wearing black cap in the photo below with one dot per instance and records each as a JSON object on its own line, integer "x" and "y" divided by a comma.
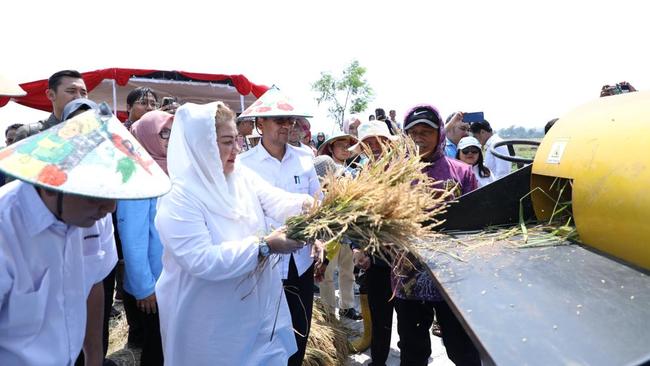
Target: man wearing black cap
{"x": 484, "y": 134}
{"x": 416, "y": 296}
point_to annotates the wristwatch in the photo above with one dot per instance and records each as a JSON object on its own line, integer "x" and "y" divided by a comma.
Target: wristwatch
{"x": 264, "y": 248}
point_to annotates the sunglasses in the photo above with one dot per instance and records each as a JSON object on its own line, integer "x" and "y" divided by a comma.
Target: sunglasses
{"x": 470, "y": 150}
{"x": 164, "y": 133}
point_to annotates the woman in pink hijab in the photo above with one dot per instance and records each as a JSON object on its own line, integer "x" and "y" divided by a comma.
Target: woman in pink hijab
{"x": 153, "y": 131}
{"x": 141, "y": 245}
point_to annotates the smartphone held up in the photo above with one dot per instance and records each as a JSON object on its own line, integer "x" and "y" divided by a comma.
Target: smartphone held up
{"x": 471, "y": 117}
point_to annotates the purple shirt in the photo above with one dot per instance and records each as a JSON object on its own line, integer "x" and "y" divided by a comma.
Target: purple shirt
{"x": 416, "y": 283}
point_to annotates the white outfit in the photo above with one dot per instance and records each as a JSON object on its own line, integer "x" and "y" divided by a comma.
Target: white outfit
{"x": 47, "y": 269}
{"x": 498, "y": 167}
{"x": 296, "y": 174}
{"x": 215, "y": 307}
{"x": 482, "y": 180}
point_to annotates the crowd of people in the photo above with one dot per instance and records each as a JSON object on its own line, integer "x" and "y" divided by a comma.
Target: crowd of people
{"x": 205, "y": 272}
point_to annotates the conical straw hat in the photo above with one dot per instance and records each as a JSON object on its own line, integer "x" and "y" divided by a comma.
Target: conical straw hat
{"x": 90, "y": 155}
{"x": 273, "y": 103}
{"x": 9, "y": 88}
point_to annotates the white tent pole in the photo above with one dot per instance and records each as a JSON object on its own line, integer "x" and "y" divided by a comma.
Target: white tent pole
{"x": 241, "y": 101}
{"x": 114, "y": 98}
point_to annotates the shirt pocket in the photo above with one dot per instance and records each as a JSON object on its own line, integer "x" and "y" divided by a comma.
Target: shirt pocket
{"x": 26, "y": 310}
{"x": 301, "y": 183}
{"x": 91, "y": 245}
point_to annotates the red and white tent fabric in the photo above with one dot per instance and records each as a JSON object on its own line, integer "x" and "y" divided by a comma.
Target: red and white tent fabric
{"x": 113, "y": 85}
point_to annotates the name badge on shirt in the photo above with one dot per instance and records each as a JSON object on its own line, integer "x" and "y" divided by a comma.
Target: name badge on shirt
{"x": 300, "y": 184}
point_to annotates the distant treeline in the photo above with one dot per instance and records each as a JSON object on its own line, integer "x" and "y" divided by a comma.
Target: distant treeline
{"x": 521, "y": 132}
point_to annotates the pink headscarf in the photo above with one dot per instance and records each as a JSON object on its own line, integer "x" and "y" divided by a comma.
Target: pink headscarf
{"x": 147, "y": 129}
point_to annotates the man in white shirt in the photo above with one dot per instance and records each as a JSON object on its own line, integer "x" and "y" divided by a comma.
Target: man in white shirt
{"x": 482, "y": 131}
{"x": 56, "y": 247}
{"x": 292, "y": 169}
{"x": 49, "y": 267}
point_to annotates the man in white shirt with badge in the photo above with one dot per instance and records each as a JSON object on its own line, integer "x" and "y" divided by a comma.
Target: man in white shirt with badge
{"x": 484, "y": 134}
{"x": 291, "y": 169}
{"x": 56, "y": 237}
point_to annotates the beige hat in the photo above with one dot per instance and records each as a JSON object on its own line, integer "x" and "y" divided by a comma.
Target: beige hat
{"x": 373, "y": 129}
{"x": 9, "y": 88}
{"x": 323, "y": 146}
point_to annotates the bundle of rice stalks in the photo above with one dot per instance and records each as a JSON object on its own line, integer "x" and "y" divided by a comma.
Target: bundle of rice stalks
{"x": 328, "y": 341}
{"x": 117, "y": 350}
{"x": 389, "y": 203}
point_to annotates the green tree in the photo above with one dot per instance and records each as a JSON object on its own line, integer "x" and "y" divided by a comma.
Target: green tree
{"x": 351, "y": 92}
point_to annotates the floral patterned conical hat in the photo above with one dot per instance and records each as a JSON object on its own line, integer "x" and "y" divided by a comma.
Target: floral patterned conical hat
{"x": 90, "y": 155}
{"x": 273, "y": 103}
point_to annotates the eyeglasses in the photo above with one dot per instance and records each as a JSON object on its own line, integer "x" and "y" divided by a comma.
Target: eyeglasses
{"x": 148, "y": 103}
{"x": 464, "y": 128}
{"x": 470, "y": 150}
{"x": 165, "y": 133}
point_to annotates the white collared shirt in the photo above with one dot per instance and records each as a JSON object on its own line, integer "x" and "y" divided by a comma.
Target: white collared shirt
{"x": 47, "y": 269}
{"x": 499, "y": 167}
{"x": 296, "y": 174}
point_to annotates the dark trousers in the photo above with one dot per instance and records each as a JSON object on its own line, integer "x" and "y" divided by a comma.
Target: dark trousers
{"x": 152, "y": 353}
{"x": 299, "y": 291}
{"x": 460, "y": 348}
{"x": 381, "y": 311}
{"x": 109, "y": 287}
{"x": 414, "y": 319}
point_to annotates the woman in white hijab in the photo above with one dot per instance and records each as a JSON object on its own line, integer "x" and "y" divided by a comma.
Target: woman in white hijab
{"x": 217, "y": 306}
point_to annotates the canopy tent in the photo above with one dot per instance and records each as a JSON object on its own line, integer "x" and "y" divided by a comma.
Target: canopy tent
{"x": 113, "y": 85}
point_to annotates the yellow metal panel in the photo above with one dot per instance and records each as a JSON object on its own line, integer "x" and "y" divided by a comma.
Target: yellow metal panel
{"x": 604, "y": 148}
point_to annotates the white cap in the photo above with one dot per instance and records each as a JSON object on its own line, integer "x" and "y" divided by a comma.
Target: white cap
{"x": 468, "y": 141}
{"x": 373, "y": 129}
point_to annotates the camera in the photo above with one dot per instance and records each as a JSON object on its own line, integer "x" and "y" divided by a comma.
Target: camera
{"x": 166, "y": 101}
{"x": 623, "y": 88}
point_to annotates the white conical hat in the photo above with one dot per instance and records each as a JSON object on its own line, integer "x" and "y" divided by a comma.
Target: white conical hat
{"x": 273, "y": 103}
{"x": 338, "y": 136}
{"x": 9, "y": 88}
{"x": 90, "y": 155}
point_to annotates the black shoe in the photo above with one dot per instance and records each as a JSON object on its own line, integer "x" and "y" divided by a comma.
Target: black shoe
{"x": 350, "y": 313}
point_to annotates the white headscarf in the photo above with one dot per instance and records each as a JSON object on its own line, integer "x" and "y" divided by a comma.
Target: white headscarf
{"x": 195, "y": 167}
